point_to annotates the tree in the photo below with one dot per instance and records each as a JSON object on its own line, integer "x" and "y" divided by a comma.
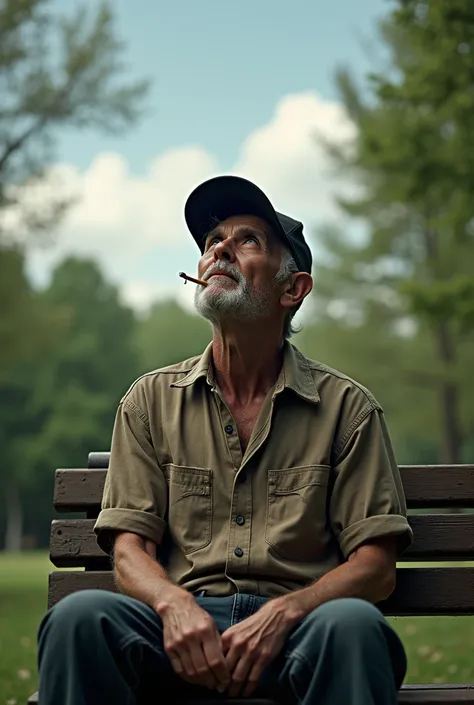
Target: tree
{"x": 55, "y": 71}
{"x": 413, "y": 159}
{"x": 92, "y": 365}
{"x": 60, "y": 406}
{"x": 169, "y": 334}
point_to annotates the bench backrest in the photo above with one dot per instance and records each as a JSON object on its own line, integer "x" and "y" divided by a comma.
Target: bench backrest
{"x": 440, "y": 537}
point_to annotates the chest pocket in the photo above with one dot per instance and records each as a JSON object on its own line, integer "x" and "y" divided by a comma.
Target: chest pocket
{"x": 296, "y": 511}
{"x": 190, "y": 506}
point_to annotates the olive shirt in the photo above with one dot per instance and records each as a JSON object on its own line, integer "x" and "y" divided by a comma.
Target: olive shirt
{"x": 317, "y": 479}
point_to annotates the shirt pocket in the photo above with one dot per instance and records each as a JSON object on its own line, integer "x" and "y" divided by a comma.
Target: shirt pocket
{"x": 189, "y": 506}
{"x": 296, "y": 511}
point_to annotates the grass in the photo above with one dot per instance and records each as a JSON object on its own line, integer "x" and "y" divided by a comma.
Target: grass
{"x": 439, "y": 649}
{"x": 23, "y": 596}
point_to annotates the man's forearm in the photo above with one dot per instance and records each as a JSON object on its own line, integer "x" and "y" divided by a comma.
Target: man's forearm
{"x": 369, "y": 575}
{"x": 138, "y": 574}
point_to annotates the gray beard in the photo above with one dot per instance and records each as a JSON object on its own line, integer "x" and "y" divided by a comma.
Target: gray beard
{"x": 239, "y": 303}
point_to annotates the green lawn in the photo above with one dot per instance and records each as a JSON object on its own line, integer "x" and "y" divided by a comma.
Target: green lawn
{"x": 440, "y": 649}
{"x": 23, "y": 596}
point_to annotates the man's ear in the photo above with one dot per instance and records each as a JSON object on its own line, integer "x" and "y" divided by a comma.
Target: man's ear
{"x": 296, "y": 289}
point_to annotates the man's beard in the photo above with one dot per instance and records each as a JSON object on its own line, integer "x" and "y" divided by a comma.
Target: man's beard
{"x": 238, "y": 302}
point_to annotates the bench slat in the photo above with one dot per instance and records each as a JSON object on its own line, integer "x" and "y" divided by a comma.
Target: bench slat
{"x": 437, "y": 537}
{"x": 426, "y": 486}
{"x": 436, "y": 694}
{"x": 419, "y": 591}
{"x": 433, "y": 486}
{"x": 409, "y": 695}
{"x": 98, "y": 459}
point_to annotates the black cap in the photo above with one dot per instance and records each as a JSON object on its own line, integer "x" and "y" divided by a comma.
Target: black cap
{"x": 224, "y": 196}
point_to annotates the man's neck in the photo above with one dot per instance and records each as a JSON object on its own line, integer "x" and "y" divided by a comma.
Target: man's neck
{"x": 247, "y": 362}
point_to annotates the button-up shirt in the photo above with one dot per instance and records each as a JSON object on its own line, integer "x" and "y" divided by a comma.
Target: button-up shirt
{"x": 317, "y": 479}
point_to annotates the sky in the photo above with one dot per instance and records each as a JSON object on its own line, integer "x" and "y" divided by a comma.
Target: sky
{"x": 237, "y": 88}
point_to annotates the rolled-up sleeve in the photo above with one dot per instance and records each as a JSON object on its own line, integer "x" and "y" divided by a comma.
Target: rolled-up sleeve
{"x": 135, "y": 493}
{"x": 367, "y": 499}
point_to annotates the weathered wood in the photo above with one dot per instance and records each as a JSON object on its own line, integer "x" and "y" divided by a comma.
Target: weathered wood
{"x": 409, "y": 695}
{"x": 98, "y": 459}
{"x": 426, "y": 486}
{"x": 441, "y": 536}
{"x": 33, "y": 700}
{"x": 419, "y": 591}
{"x": 436, "y": 694}
{"x": 437, "y": 537}
{"x": 430, "y": 486}
{"x": 78, "y": 490}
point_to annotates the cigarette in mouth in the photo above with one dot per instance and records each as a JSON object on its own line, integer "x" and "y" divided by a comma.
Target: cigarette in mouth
{"x": 186, "y": 278}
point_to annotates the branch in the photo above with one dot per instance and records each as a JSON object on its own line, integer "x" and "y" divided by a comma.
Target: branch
{"x": 18, "y": 143}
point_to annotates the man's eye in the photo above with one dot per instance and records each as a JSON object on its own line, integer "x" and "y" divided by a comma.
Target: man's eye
{"x": 214, "y": 240}
{"x": 251, "y": 238}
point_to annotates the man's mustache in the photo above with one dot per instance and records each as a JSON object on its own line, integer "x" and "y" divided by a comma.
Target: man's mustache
{"x": 227, "y": 269}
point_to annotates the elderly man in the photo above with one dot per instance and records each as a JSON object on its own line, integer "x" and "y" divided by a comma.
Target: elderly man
{"x": 253, "y": 505}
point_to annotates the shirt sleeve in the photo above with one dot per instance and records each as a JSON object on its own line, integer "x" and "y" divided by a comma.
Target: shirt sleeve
{"x": 367, "y": 499}
{"x": 135, "y": 494}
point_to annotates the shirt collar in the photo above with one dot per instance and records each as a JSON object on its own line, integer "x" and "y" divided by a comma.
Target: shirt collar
{"x": 295, "y": 374}
{"x": 202, "y": 368}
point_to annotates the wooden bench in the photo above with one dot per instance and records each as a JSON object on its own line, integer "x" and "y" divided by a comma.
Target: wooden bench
{"x": 439, "y": 537}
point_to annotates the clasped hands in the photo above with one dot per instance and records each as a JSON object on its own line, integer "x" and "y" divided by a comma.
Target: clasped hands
{"x": 232, "y": 662}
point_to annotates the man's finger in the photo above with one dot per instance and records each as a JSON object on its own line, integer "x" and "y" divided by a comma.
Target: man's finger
{"x": 232, "y": 658}
{"x": 187, "y": 670}
{"x": 202, "y": 671}
{"x": 239, "y": 677}
{"x": 253, "y": 678}
{"x": 215, "y": 659}
{"x": 177, "y": 665}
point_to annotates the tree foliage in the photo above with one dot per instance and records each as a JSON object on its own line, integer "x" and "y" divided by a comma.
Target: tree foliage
{"x": 408, "y": 286}
{"x": 56, "y": 71}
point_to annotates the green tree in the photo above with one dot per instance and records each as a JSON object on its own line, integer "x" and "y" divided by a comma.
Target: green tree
{"x": 93, "y": 362}
{"x": 56, "y": 71}
{"x": 169, "y": 334}
{"x": 413, "y": 159}
{"x": 59, "y": 406}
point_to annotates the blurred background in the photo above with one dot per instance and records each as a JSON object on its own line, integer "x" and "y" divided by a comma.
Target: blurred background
{"x": 355, "y": 117}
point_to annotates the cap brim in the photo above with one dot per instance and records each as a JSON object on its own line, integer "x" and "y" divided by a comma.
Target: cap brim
{"x": 222, "y": 197}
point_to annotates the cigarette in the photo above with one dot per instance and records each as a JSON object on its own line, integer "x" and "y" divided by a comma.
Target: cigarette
{"x": 186, "y": 277}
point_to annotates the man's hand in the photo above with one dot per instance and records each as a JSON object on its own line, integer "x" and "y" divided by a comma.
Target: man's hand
{"x": 253, "y": 643}
{"x": 193, "y": 643}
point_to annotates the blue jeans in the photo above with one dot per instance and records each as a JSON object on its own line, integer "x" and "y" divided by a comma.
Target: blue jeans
{"x": 96, "y": 647}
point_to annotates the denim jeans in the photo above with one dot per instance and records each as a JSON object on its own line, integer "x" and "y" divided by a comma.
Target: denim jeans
{"x": 96, "y": 648}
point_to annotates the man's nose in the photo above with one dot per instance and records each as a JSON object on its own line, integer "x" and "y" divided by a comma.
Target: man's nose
{"x": 224, "y": 251}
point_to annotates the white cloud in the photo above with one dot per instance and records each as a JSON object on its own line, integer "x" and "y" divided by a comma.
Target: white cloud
{"x": 125, "y": 220}
{"x": 286, "y": 157}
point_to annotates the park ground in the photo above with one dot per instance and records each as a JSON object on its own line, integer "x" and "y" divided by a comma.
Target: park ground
{"x": 439, "y": 649}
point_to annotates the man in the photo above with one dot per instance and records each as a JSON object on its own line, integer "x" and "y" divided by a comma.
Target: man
{"x": 253, "y": 506}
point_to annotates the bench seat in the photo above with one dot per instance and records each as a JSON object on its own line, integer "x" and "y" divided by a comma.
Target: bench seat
{"x": 443, "y": 533}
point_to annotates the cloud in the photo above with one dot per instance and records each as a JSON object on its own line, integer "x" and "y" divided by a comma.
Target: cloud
{"x": 135, "y": 225}
{"x": 286, "y": 157}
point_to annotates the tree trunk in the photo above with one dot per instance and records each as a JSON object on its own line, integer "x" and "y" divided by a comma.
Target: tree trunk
{"x": 14, "y": 517}
{"x": 451, "y": 435}
{"x": 450, "y": 425}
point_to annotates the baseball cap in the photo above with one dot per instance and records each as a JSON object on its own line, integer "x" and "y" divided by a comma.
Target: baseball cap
{"x": 223, "y": 196}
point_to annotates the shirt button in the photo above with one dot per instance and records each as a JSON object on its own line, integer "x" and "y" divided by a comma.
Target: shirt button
{"x": 228, "y": 429}
{"x": 238, "y": 552}
{"x": 240, "y": 520}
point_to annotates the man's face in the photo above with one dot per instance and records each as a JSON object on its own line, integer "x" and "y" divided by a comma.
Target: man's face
{"x": 241, "y": 259}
